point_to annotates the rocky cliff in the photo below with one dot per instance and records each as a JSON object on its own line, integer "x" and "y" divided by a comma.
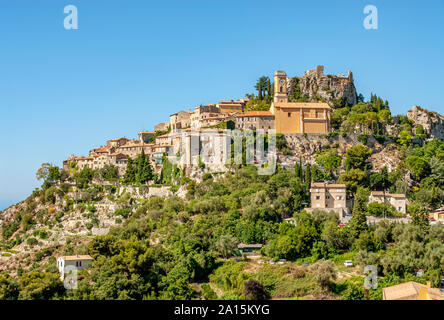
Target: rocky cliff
{"x": 315, "y": 85}
{"x": 432, "y": 122}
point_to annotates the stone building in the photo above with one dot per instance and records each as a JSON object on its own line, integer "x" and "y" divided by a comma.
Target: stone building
{"x": 179, "y": 120}
{"x": 232, "y": 106}
{"x": 314, "y": 84}
{"x": 399, "y": 201}
{"x": 297, "y": 117}
{"x": 254, "y": 120}
{"x": 144, "y": 136}
{"x": 163, "y": 126}
{"x": 117, "y": 142}
{"x": 326, "y": 196}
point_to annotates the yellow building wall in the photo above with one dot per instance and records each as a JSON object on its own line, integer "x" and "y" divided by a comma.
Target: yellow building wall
{"x": 286, "y": 124}
{"x": 315, "y": 127}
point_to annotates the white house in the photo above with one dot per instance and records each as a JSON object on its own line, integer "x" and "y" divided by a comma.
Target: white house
{"x": 68, "y": 263}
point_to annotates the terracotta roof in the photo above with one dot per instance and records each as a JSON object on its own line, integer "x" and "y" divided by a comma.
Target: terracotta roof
{"x": 387, "y": 194}
{"x": 327, "y": 185}
{"x": 230, "y": 102}
{"x": 77, "y": 257}
{"x": 303, "y": 105}
{"x": 213, "y": 118}
{"x": 118, "y": 139}
{"x": 101, "y": 150}
{"x": 255, "y": 114}
{"x": 409, "y": 291}
{"x": 147, "y": 132}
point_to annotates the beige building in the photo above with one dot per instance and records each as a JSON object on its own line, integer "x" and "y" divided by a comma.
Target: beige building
{"x": 65, "y": 264}
{"x": 144, "y": 136}
{"x": 297, "y": 117}
{"x": 254, "y": 120}
{"x": 163, "y": 126}
{"x": 180, "y": 120}
{"x": 164, "y": 140}
{"x": 325, "y": 196}
{"x": 437, "y": 215}
{"x": 232, "y": 106}
{"x": 117, "y": 142}
{"x": 399, "y": 201}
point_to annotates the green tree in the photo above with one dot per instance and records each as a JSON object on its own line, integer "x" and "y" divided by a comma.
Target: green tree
{"x": 226, "y": 245}
{"x": 324, "y": 272}
{"x": 405, "y": 139}
{"x": 329, "y": 159}
{"x": 144, "y": 172}
{"x": 356, "y": 157}
{"x": 358, "y": 222}
{"x": 418, "y": 166}
{"x": 130, "y": 173}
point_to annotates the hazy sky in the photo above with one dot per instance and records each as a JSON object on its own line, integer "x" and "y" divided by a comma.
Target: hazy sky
{"x": 132, "y": 63}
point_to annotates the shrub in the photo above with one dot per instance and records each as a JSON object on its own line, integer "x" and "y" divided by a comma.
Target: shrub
{"x": 124, "y": 212}
{"x": 31, "y": 241}
{"x": 363, "y": 138}
{"x": 253, "y": 290}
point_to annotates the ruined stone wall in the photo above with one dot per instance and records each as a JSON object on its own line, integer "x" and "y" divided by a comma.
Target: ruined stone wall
{"x": 315, "y": 84}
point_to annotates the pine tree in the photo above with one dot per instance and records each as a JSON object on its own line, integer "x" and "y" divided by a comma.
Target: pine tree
{"x": 130, "y": 173}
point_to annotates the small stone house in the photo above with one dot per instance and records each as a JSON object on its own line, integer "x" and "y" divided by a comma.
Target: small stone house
{"x": 397, "y": 200}
{"x": 69, "y": 263}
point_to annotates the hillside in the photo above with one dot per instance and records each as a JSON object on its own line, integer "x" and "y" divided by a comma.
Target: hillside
{"x": 166, "y": 235}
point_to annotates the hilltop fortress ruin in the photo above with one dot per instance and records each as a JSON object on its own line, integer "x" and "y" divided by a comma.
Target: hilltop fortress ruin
{"x": 185, "y": 128}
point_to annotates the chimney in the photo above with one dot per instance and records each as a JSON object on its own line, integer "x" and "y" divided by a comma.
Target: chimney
{"x": 422, "y": 295}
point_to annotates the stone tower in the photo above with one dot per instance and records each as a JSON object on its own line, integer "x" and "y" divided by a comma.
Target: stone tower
{"x": 280, "y": 86}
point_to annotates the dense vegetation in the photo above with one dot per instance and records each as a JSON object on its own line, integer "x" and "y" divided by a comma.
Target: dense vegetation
{"x": 177, "y": 248}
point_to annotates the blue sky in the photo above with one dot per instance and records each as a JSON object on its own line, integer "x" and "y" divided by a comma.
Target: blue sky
{"x": 132, "y": 63}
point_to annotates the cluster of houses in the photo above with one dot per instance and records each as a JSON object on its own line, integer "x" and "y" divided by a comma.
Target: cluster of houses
{"x": 185, "y": 126}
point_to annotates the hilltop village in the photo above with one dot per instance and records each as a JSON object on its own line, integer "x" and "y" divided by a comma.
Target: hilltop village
{"x": 283, "y": 116}
{"x": 353, "y": 186}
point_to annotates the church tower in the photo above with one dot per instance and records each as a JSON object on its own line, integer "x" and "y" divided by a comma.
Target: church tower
{"x": 280, "y": 86}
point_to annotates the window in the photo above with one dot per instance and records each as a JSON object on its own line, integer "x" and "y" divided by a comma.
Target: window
{"x": 318, "y": 197}
{"x": 318, "y": 205}
{"x": 77, "y": 263}
{"x": 80, "y": 263}
{"x": 289, "y": 114}
{"x": 317, "y": 190}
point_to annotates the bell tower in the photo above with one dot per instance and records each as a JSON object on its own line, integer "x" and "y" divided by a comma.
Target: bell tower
{"x": 280, "y": 86}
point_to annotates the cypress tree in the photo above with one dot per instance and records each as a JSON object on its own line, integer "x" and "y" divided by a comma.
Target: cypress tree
{"x": 130, "y": 173}
{"x": 144, "y": 172}
{"x": 358, "y": 222}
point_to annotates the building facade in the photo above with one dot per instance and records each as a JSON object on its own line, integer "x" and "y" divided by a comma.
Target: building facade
{"x": 297, "y": 117}
{"x": 254, "y": 120}
{"x": 399, "y": 201}
{"x": 65, "y": 264}
{"x": 329, "y": 197}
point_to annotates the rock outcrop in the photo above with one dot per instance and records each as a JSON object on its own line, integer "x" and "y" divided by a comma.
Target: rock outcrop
{"x": 432, "y": 122}
{"x": 317, "y": 86}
